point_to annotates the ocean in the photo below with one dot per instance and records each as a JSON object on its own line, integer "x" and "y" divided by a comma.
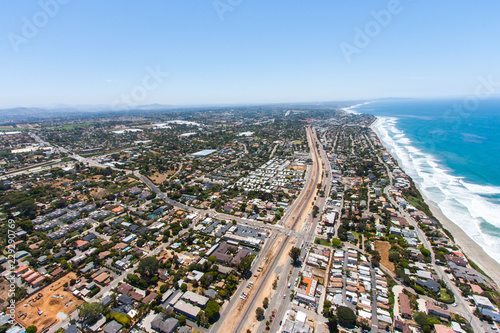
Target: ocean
{"x": 453, "y": 153}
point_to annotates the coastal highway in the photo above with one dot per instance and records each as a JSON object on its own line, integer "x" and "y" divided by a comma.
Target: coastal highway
{"x": 304, "y": 241}
{"x": 291, "y": 221}
{"x": 461, "y": 305}
{"x": 291, "y": 225}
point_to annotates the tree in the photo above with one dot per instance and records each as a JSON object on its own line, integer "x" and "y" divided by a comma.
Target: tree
{"x": 64, "y": 264}
{"x": 333, "y": 324}
{"x": 184, "y": 287}
{"x": 31, "y": 329}
{"x": 212, "y": 310}
{"x": 90, "y": 312}
{"x": 265, "y": 303}
{"x": 294, "y": 254}
{"x": 182, "y": 320}
{"x": 121, "y": 318}
{"x": 315, "y": 210}
{"x": 376, "y": 258}
{"x": 425, "y": 252}
{"x": 260, "y": 313}
{"x": 245, "y": 264}
{"x": 336, "y": 242}
{"x": 346, "y": 316}
{"x": 148, "y": 267}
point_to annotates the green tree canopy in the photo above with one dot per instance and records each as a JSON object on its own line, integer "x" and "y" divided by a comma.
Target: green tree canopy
{"x": 91, "y": 311}
{"x": 346, "y": 316}
{"x": 260, "y": 313}
{"x": 148, "y": 267}
{"x": 336, "y": 242}
{"x": 31, "y": 329}
{"x": 294, "y": 254}
{"x": 212, "y": 310}
{"x": 245, "y": 264}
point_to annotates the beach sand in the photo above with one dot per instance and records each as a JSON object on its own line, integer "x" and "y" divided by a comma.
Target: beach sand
{"x": 468, "y": 246}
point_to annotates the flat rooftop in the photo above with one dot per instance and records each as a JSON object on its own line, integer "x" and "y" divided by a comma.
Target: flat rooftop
{"x": 205, "y": 152}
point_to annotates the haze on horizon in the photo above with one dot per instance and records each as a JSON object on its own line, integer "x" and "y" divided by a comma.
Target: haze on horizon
{"x": 236, "y": 51}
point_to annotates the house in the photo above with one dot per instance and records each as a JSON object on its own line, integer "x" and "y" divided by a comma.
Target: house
{"x": 103, "y": 255}
{"x": 162, "y": 325}
{"x": 456, "y": 260}
{"x": 186, "y": 309}
{"x": 97, "y": 326}
{"x": 102, "y": 278}
{"x": 112, "y": 327}
{"x": 494, "y": 315}
{"x": 395, "y": 231}
{"x": 20, "y": 254}
{"x": 223, "y": 254}
{"x": 149, "y": 298}
{"x": 81, "y": 244}
{"x": 71, "y": 329}
{"x": 443, "y": 329}
{"x": 434, "y": 310}
{"x": 56, "y": 272}
{"x": 125, "y": 299}
{"x": 87, "y": 267}
{"x": 89, "y": 237}
{"x": 106, "y": 300}
{"x": 405, "y": 308}
{"x": 60, "y": 253}
{"x": 42, "y": 259}
{"x": 401, "y": 326}
{"x": 484, "y": 303}
{"x": 211, "y": 293}
{"x": 124, "y": 288}
{"x": 21, "y": 270}
{"x": 130, "y": 238}
{"x": 136, "y": 296}
{"x": 195, "y": 299}
{"x": 429, "y": 284}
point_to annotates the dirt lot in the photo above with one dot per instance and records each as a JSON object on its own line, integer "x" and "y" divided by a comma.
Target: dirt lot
{"x": 48, "y": 304}
{"x": 251, "y": 323}
{"x": 298, "y": 167}
{"x": 159, "y": 178}
{"x": 100, "y": 193}
{"x": 58, "y": 183}
{"x": 383, "y": 248}
{"x": 4, "y": 293}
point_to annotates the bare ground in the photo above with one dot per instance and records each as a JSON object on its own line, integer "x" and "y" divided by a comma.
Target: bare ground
{"x": 383, "y": 248}
{"x": 48, "y": 304}
{"x": 251, "y": 323}
{"x": 232, "y": 321}
{"x": 159, "y": 178}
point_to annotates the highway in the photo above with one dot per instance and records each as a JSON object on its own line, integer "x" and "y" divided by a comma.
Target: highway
{"x": 291, "y": 226}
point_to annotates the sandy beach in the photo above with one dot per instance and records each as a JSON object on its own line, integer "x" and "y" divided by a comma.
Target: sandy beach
{"x": 469, "y": 247}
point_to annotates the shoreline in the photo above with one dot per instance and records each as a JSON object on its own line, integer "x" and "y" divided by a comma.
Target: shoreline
{"x": 468, "y": 245}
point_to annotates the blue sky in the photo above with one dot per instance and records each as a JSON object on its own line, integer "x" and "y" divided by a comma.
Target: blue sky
{"x": 247, "y": 51}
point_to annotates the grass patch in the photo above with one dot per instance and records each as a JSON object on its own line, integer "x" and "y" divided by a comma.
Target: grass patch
{"x": 12, "y": 129}
{"x": 446, "y": 297}
{"x": 33, "y": 166}
{"x": 69, "y": 126}
{"x": 322, "y": 241}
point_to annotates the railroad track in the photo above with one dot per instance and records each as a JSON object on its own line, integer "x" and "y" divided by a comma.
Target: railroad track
{"x": 295, "y": 218}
